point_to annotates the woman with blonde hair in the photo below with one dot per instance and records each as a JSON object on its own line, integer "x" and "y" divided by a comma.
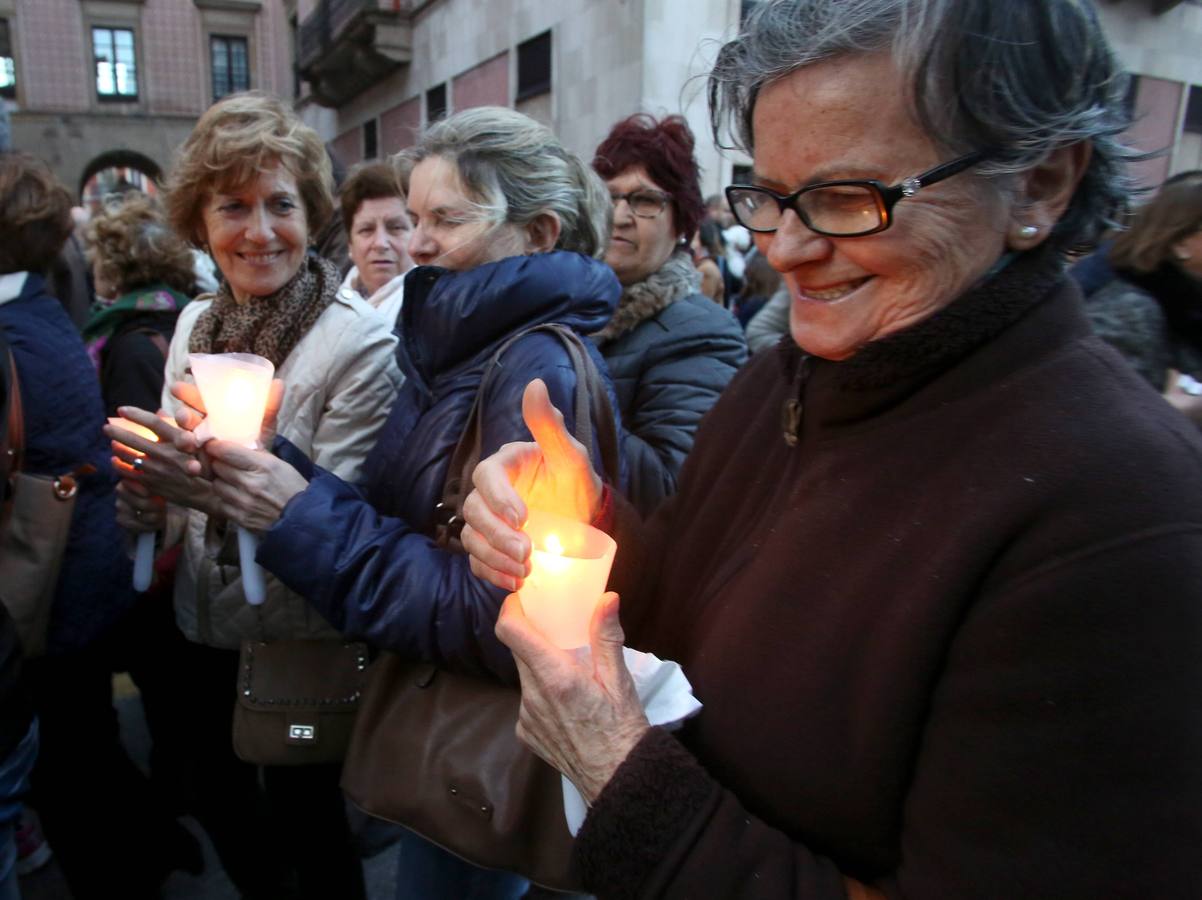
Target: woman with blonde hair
{"x": 1151, "y": 312}
{"x": 251, "y": 185}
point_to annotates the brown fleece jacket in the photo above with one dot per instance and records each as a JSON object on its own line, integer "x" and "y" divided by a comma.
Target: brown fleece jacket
{"x": 947, "y": 639}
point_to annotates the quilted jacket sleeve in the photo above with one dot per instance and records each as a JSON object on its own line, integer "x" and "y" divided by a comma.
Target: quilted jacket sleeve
{"x": 376, "y": 578}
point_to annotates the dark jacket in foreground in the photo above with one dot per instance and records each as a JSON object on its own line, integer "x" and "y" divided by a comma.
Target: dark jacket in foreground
{"x": 367, "y": 559}
{"x": 671, "y": 352}
{"x": 947, "y": 644}
{"x": 63, "y": 418}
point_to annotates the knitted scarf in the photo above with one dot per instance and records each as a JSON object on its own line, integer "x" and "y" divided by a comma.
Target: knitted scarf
{"x": 269, "y": 326}
{"x": 108, "y": 316}
{"x": 674, "y": 280}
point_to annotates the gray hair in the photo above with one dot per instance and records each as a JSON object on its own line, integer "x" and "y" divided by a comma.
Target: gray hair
{"x": 515, "y": 169}
{"x": 1017, "y": 79}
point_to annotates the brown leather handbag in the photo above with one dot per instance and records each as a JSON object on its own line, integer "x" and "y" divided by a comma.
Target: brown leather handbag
{"x": 297, "y": 700}
{"x": 436, "y": 751}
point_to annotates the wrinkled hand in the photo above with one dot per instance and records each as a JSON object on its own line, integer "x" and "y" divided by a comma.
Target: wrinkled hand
{"x": 583, "y": 718}
{"x": 164, "y": 470}
{"x": 190, "y": 412}
{"x": 252, "y": 486}
{"x": 1188, "y": 404}
{"x": 139, "y": 510}
{"x": 551, "y": 474}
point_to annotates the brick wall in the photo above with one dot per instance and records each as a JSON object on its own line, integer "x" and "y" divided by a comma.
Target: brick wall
{"x": 399, "y": 126}
{"x": 55, "y": 61}
{"x": 174, "y": 80}
{"x": 348, "y": 147}
{"x": 484, "y": 85}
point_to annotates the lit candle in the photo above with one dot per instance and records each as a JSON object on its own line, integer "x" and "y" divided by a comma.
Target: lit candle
{"x": 144, "y": 552}
{"x": 234, "y": 387}
{"x": 569, "y": 567}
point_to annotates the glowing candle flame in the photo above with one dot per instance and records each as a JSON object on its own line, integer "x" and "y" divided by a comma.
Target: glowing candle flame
{"x": 553, "y": 559}
{"x": 140, "y": 430}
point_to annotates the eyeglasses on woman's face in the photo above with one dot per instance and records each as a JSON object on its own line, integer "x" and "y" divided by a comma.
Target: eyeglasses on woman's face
{"x": 846, "y": 208}
{"x": 644, "y": 203}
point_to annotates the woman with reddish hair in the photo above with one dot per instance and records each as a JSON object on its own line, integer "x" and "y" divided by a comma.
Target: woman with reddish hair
{"x": 670, "y": 349}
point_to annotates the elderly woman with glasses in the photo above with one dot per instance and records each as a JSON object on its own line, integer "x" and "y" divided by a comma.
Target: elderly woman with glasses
{"x": 944, "y": 646}
{"x": 670, "y": 350}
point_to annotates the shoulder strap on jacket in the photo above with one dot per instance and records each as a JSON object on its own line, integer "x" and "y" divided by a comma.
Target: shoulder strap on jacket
{"x": 590, "y": 402}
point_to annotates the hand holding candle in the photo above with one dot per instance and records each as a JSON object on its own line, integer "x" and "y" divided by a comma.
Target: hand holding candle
{"x": 569, "y": 566}
{"x": 144, "y": 554}
{"x": 234, "y": 387}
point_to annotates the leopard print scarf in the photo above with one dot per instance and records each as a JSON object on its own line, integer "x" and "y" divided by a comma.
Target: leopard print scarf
{"x": 269, "y": 326}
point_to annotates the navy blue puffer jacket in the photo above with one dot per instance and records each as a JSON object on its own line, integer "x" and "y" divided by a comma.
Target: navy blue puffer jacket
{"x": 63, "y": 417}
{"x": 365, "y": 557}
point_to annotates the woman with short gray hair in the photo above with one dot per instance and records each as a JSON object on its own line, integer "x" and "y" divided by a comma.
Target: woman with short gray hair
{"x": 507, "y": 225}
{"x": 944, "y": 648}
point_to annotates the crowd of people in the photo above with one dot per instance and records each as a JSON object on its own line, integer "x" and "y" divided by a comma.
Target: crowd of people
{"x": 913, "y": 500}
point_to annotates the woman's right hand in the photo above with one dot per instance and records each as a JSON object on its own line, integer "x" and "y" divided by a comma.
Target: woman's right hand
{"x": 551, "y": 474}
{"x": 139, "y": 510}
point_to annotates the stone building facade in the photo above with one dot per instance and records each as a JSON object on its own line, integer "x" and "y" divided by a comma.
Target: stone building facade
{"x": 377, "y": 70}
{"x": 116, "y": 85}
{"x": 1160, "y": 43}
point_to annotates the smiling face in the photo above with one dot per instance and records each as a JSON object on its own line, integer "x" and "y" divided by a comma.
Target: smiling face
{"x": 257, "y": 233}
{"x": 848, "y": 118}
{"x": 639, "y": 246}
{"x": 379, "y": 242}
{"x": 447, "y": 229}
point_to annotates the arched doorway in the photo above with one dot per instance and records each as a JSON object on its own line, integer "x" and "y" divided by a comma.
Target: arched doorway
{"x": 117, "y": 172}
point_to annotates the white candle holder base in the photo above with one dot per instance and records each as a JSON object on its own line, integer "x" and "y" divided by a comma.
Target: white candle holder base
{"x": 144, "y": 561}
{"x": 254, "y": 585}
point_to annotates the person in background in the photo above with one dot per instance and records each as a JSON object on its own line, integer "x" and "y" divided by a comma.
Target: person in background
{"x": 771, "y": 323}
{"x": 945, "y": 629}
{"x": 374, "y": 214}
{"x": 760, "y": 282}
{"x": 1151, "y": 311}
{"x": 1094, "y": 271}
{"x": 93, "y": 802}
{"x": 248, "y": 184}
{"x": 144, "y": 276}
{"x": 707, "y": 257}
{"x": 18, "y": 727}
{"x": 670, "y": 349}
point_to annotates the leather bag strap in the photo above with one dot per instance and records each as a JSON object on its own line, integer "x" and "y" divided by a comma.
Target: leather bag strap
{"x": 590, "y": 401}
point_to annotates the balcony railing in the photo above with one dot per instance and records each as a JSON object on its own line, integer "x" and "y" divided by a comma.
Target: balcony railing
{"x": 329, "y": 21}
{"x": 345, "y": 45}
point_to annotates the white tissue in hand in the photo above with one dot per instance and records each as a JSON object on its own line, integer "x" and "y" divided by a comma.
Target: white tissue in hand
{"x": 667, "y": 700}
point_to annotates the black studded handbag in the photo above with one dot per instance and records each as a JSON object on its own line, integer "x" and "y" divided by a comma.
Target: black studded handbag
{"x": 297, "y": 700}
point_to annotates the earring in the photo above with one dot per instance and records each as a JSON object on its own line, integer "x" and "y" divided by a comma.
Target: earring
{"x": 1028, "y": 231}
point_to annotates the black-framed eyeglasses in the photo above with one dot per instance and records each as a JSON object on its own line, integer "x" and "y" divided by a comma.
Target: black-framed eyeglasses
{"x": 644, "y": 202}
{"x": 849, "y": 208}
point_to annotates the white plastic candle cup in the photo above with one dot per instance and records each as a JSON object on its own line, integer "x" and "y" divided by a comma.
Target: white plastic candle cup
{"x": 234, "y": 388}
{"x": 569, "y": 567}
